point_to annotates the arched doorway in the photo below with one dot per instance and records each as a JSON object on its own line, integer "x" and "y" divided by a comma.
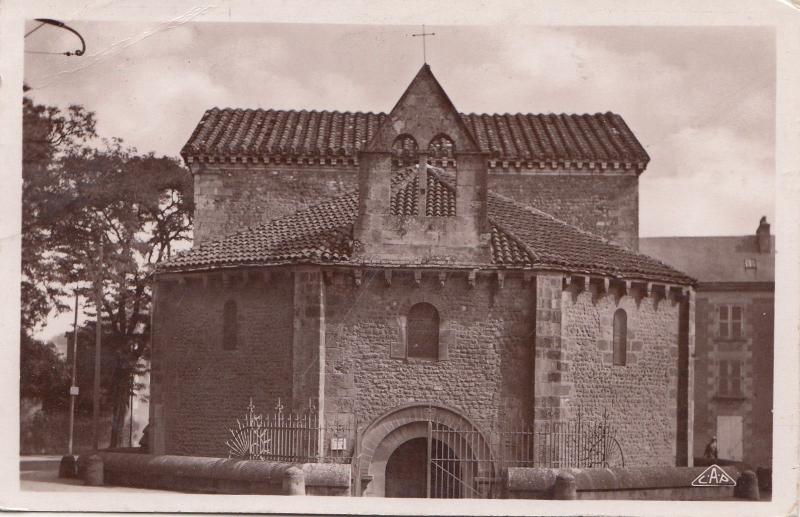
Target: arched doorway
{"x": 409, "y": 466}
{"x": 406, "y": 469}
{"x": 413, "y": 447}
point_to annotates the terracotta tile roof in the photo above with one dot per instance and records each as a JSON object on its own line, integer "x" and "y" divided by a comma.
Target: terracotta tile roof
{"x": 554, "y": 244}
{"x": 538, "y": 140}
{"x": 521, "y": 237}
{"x": 440, "y": 198}
{"x": 404, "y": 194}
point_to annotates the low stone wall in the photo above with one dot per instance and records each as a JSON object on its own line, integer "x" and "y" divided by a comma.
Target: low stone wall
{"x": 327, "y": 478}
{"x": 652, "y": 483}
{"x": 223, "y": 476}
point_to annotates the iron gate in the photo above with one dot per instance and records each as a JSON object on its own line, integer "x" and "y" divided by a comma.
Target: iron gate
{"x": 460, "y": 463}
{"x": 468, "y": 463}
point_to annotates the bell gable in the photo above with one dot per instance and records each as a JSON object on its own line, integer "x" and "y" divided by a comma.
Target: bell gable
{"x": 407, "y": 211}
{"x": 425, "y": 113}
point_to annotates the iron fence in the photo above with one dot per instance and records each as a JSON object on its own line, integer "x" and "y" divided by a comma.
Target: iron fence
{"x": 470, "y": 463}
{"x": 289, "y": 436}
{"x": 461, "y": 462}
{"x": 578, "y": 443}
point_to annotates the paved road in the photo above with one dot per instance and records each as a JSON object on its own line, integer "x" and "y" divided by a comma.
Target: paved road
{"x": 40, "y": 474}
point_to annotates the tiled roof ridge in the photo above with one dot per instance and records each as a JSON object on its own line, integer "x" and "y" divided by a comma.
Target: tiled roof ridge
{"x": 510, "y": 235}
{"x": 360, "y": 112}
{"x": 540, "y": 140}
{"x": 448, "y": 178}
{"x": 274, "y": 223}
{"x": 605, "y": 241}
{"x": 541, "y": 213}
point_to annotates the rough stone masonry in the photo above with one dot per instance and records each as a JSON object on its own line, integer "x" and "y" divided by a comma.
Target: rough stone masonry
{"x": 332, "y": 247}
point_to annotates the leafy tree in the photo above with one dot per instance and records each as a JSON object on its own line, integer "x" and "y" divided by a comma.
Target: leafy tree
{"x": 43, "y": 373}
{"x": 105, "y": 215}
{"x": 48, "y": 134}
{"x": 126, "y": 213}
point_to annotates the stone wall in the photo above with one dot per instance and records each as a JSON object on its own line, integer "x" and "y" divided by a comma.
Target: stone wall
{"x": 640, "y": 397}
{"x": 201, "y": 388}
{"x": 755, "y": 351}
{"x": 551, "y": 378}
{"x": 224, "y": 476}
{"x": 229, "y": 197}
{"x": 305, "y": 335}
{"x": 606, "y": 204}
{"x": 644, "y": 483}
{"x": 485, "y": 371}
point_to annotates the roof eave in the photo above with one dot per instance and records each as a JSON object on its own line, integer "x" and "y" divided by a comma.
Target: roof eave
{"x": 540, "y": 268}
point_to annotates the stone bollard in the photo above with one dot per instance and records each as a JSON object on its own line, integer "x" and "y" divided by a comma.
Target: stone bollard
{"x": 764, "y": 476}
{"x": 565, "y": 486}
{"x": 295, "y": 481}
{"x": 747, "y": 486}
{"x": 82, "y": 460}
{"x": 94, "y": 471}
{"x": 68, "y": 468}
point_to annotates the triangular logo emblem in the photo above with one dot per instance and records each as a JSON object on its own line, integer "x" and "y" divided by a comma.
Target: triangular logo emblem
{"x": 714, "y": 476}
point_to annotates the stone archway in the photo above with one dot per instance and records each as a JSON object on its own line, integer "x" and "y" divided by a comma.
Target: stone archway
{"x": 405, "y": 470}
{"x": 389, "y": 433}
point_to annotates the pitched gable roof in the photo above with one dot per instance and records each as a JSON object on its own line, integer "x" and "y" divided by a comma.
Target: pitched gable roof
{"x": 522, "y": 237}
{"x": 423, "y": 103}
{"x": 534, "y": 140}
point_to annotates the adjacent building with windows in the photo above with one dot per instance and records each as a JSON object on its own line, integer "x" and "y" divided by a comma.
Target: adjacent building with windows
{"x": 734, "y": 338}
{"x": 364, "y": 267}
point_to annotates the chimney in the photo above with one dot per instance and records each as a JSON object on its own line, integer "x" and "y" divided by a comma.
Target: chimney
{"x": 762, "y": 234}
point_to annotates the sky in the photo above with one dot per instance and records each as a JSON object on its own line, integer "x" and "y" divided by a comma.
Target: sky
{"x": 700, "y": 99}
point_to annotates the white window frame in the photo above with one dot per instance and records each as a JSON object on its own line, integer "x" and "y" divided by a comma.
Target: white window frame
{"x": 727, "y": 325}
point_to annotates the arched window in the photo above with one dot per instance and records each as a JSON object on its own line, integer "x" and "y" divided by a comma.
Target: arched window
{"x": 620, "y": 337}
{"x": 441, "y": 146}
{"x": 405, "y": 147}
{"x": 423, "y": 331}
{"x": 230, "y": 326}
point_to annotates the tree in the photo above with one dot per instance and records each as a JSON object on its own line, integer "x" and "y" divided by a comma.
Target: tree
{"x": 48, "y": 134}
{"x": 127, "y": 211}
{"x": 104, "y": 215}
{"x": 43, "y": 373}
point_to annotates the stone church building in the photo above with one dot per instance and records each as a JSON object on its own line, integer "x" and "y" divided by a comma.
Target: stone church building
{"x": 369, "y": 267}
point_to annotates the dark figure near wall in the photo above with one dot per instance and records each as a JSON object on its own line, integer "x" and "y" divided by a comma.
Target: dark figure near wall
{"x": 711, "y": 449}
{"x": 144, "y": 441}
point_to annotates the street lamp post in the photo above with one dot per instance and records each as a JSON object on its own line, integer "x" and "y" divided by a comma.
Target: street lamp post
{"x": 130, "y": 405}
{"x": 73, "y": 388}
{"x": 98, "y": 292}
{"x": 68, "y": 468}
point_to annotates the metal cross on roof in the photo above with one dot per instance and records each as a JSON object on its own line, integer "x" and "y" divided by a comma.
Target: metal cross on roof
{"x": 423, "y": 34}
